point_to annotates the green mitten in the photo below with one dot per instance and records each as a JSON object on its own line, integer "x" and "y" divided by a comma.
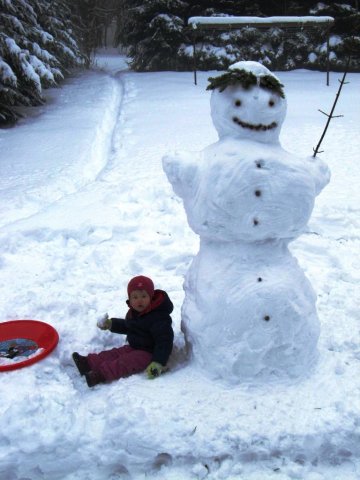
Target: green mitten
{"x": 104, "y": 322}
{"x": 154, "y": 370}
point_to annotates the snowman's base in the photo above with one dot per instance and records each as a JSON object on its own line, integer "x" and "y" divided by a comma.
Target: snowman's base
{"x": 249, "y": 313}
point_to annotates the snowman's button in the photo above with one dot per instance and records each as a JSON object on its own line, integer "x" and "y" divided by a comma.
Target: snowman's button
{"x": 267, "y": 318}
{"x": 259, "y": 279}
{"x": 256, "y": 221}
{"x": 258, "y": 193}
{"x": 259, "y": 163}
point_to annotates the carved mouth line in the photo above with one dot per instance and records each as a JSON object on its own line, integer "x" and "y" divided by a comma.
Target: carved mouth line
{"x": 259, "y": 127}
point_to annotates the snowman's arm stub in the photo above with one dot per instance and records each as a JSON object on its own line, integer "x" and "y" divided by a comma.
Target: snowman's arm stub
{"x": 321, "y": 173}
{"x": 182, "y": 171}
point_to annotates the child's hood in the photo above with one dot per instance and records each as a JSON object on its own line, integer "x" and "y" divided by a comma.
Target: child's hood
{"x": 159, "y": 302}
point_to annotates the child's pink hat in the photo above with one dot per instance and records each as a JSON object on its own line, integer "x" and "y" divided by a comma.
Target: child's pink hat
{"x": 141, "y": 283}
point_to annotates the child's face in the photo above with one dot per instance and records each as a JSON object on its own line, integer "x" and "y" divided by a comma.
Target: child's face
{"x": 139, "y": 300}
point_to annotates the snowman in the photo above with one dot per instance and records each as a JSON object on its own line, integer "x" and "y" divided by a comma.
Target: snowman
{"x": 249, "y": 313}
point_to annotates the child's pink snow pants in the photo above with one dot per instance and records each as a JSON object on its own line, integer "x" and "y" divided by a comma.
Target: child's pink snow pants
{"x": 119, "y": 362}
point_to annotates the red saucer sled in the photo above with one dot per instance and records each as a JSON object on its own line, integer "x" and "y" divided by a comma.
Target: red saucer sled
{"x": 24, "y": 342}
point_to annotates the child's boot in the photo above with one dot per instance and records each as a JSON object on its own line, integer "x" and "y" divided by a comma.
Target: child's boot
{"x": 94, "y": 378}
{"x": 81, "y": 363}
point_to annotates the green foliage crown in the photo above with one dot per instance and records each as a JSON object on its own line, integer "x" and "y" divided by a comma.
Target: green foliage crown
{"x": 246, "y": 80}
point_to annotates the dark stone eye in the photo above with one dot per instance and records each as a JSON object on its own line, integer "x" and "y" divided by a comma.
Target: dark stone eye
{"x": 237, "y": 103}
{"x": 271, "y": 103}
{"x": 267, "y": 318}
{"x": 258, "y": 193}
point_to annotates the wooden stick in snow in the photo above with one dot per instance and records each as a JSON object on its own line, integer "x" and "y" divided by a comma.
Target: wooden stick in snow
{"x": 331, "y": 114}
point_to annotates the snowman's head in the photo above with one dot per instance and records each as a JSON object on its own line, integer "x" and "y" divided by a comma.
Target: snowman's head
{"x": 247, "y": 102}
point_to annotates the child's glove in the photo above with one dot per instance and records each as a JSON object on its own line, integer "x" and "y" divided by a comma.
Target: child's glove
{"x": 154, "y": 370}
{"x": 104, "y": 322}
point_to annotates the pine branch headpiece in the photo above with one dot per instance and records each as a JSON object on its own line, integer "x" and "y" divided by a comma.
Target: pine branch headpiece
{"x": 247, "y": 80}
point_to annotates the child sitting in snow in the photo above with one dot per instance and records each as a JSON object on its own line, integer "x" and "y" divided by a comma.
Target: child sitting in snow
{"x": 149, "y": 334}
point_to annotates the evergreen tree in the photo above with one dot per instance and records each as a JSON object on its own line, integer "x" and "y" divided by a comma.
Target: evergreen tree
{"x": 345, "y": 36}
{"x": 56, "y": 18}
{"x": 96, "y": 16}
{"x": 158, "y": 37}
{"x": 216, "y": 49}
{"x": 126, "y": 21}
{"x": 37, "y": 46}
{"x": 153, "y": 33}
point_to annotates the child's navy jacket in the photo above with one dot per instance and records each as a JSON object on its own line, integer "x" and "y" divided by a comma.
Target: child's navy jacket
{"x": 150, "y": 330}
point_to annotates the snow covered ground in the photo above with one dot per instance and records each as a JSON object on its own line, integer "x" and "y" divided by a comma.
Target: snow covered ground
{"x": 85, "y": 206}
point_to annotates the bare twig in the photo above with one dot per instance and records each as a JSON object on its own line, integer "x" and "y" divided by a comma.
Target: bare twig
{"x": 331, "y": 114}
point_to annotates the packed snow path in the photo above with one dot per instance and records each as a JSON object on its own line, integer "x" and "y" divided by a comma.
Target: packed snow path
{"x": 85, "y": 206}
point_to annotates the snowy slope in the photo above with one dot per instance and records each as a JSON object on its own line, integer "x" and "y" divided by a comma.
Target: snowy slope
{"x": 85, "y": 205}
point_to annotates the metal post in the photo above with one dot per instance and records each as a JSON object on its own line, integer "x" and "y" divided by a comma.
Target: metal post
{"x": 328, "y": 57}
{"x": 194, "y": 56}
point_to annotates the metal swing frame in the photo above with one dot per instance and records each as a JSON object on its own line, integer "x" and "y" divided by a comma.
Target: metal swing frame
{"x": 237, "y": 23}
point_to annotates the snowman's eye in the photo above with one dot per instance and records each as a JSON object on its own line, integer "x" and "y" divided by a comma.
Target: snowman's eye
{"x": 237, "y": 103}
{"x": 271, "y": 103}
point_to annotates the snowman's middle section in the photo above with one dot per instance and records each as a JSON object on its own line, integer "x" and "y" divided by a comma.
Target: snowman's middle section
{"x": 243, "y": 191}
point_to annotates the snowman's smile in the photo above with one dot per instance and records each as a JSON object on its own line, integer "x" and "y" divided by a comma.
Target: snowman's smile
{"x": 251, "y": 126}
